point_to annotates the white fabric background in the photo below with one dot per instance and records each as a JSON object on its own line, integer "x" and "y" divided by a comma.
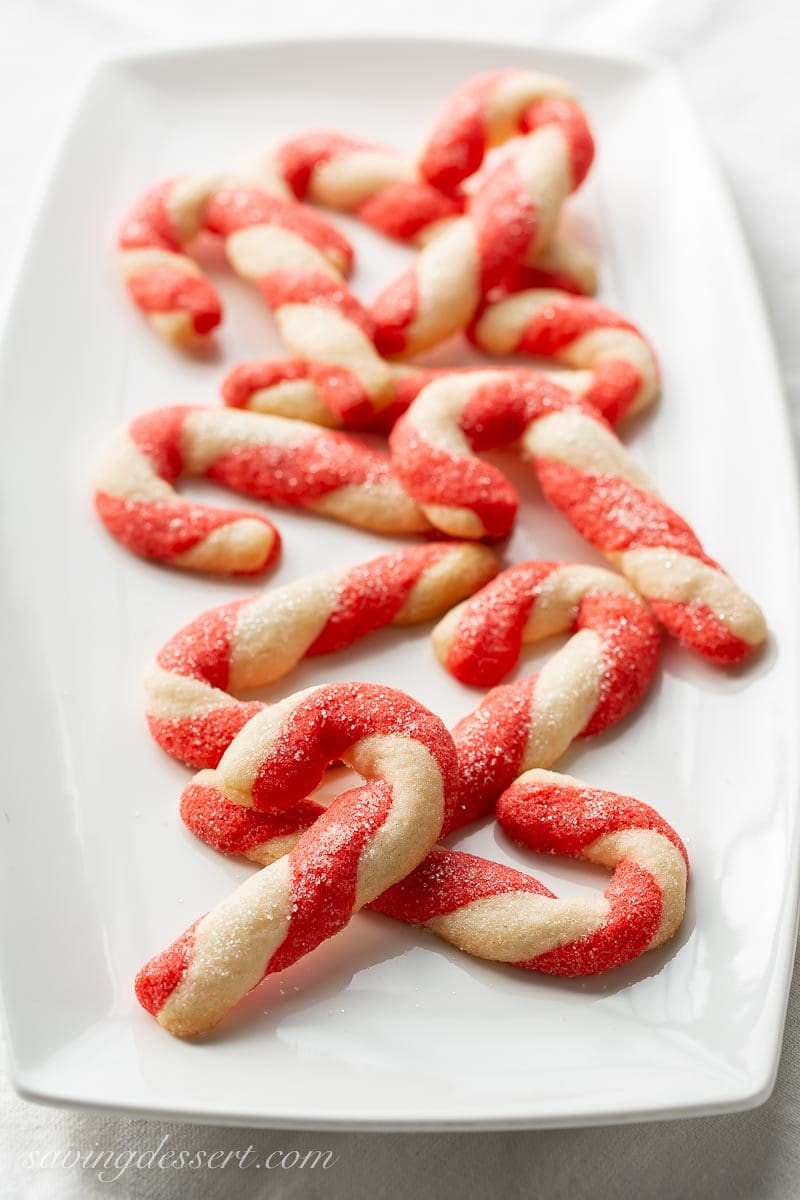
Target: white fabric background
{"x": 738, "y": 59}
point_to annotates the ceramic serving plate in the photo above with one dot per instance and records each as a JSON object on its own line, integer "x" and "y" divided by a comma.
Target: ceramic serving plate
{"x": 383, "y": 1027}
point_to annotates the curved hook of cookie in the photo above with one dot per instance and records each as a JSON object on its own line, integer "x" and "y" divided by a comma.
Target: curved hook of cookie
{"x": 480, "y": 640}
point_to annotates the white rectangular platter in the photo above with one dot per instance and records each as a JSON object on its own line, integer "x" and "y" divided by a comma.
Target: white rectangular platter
{"x": 383, "y": 1027}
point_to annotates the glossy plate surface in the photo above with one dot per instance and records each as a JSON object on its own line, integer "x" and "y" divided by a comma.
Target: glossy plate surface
{"x": 384, "y": 1026}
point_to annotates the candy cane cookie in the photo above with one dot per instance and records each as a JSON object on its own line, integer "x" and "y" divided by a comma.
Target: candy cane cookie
{"x": 323, "y": 393}
{"x": 587, "y": 474}
{"x": 269, "y": 458}
{"x": 155, "y": 242}
{"x": 164, "y": 282}
{"x": 248, "y": 643}
{"x": 609, "y": 362}
{"x": 492, "y": 107}
{"x": 368, "y": 839}
{"x": 497, "y": 913}
{"x": 511, "y": 214}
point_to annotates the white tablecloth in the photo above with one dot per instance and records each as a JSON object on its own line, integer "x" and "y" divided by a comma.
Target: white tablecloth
{"x": 739, "y": 63}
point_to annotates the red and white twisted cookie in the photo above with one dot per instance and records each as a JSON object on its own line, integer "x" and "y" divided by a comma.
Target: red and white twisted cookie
{"x": 368, "y": 839}
{"x": 155, "y": 242}
{"x": 578, "y": 333}
{"x": 490, "y": 108}
{"x": 511, "y": 214}
{"x": 595, "y": 680}
{"x": 164, "y": 281}
{"x": 498, "y": 913}
{"x": 248, "y": 643}
{"x": 268, "y": 458}
{"x": 586, "y": 473}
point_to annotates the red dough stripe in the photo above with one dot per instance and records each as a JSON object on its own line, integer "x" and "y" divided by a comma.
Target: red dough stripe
{"x": 157, "y": 435}
{"x": 161, "y": 530}
{"x": 559, "y": 323}
{"x": 446, "y": 880}
{"x": 404, "y": 210}
{"x": 490, "y": 743}
{"x": 394, "y": 311}
{"x": 627, "y": 518}
{"x": 301, "y": 473}
{"x": 305, "y": 287}
{"x": 238, "y": 208}
{"x": 489, "y": 637}
{"x": 324, "y": 868}
{"x": 165, "y": 289}
{"x": 202, "y": 649}
{"x": 635, "y": 912}
{"x": 614, "y": 389}
{"x": 631, "y": 648}
{"x": 201, "y": 740}
{"x": 566, "y": 114}
{"x": 697, "y": 627}
{"x": 156, "y": 982}
{"x": 502, "y": 243}
{"x": 565, "y": 818}
{"x": 148, "y": 223}
{"x": 233, "y": 829}
{"x": 459, "y": 141}
{"x": 327, "y": 724}
{"x": 371, "y": 595}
